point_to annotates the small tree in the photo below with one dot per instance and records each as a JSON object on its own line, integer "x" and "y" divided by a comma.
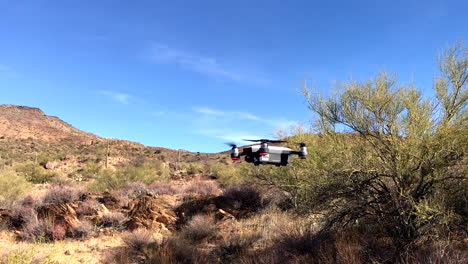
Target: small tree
{"x": 396, "y": 150}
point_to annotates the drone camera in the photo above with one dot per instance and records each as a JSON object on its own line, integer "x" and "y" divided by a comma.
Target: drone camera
{"x": 235, "y": 153}
{"x": 263, "y": 149}
{"x": 303, "y": 151}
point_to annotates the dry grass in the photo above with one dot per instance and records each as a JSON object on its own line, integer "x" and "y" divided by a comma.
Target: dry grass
{"x": 203, "y": 187}
{"x": 61, "y": 194}
{"x": 138, "y": 239}
{"x": 199, "y": 228}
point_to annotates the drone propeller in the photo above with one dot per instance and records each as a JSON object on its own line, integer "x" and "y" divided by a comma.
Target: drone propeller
{"x": 264, "y": 140}
{"x": 232, "y": 145}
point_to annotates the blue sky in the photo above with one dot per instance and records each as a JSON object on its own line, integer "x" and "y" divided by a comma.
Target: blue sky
{"x": 196, "y": 74}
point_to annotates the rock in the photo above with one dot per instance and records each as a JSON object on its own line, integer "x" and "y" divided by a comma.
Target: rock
{"x": 51, "y": 165}
{"x": 109, "y": 200}
{"x": 60, "y": 214}
{"x": 151, "y": 212}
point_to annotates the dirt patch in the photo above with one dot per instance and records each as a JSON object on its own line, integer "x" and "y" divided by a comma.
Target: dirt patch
{"x": 219, "y": 206}
{"x": 152, "y": 212}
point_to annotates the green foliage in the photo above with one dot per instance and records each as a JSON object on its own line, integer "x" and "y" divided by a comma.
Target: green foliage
{"x": 25, "y": 256}
{"x": 190, "y": 167}
{"x": 90, "y": 170}
{"x": 113, "y": 179}
{"x": 44, "y": 157}
{"x": 35, "y": 173}
{"x": 383, "y": 153}
{"x": 12, "y": 187}
{"x": 225, "y": 174}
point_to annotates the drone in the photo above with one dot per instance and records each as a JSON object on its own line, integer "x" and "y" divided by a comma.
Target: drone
{"x": 265, "y": 154}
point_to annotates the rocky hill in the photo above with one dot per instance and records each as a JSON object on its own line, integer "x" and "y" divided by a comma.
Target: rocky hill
{"x": 23, "y": 122}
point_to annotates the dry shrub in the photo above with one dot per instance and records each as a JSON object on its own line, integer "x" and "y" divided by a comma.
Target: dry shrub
{"x": 176, "y": 250}
{"x": 113, "y": 219}
{"x": 120, "y": 255}
{"x": 203, "y": 187}
{"x": 81, "y": 230}
{"x": 87, "y": 208}
{"x": 138, "y": 239}
{"x": 22, "y": 215}
{"x": 42, "y": 230}
{"x": 235, "y": 245}
{"x": 134, "y": 190}
{"x": 161, "y": 188}
{"x": 436, "y": 252}
{"x": 305, "y": 242}
{"x": 61, "y": 194}
{"x": 200, "y": 227}
{"x": 349, "y": 247}
{"x": 247, "y": 195}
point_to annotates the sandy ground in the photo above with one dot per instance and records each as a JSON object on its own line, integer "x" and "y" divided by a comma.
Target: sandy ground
{"x": 89, "y": 251}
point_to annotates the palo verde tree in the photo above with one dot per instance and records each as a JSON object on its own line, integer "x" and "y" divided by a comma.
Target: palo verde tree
{"x": 385, "y": 154}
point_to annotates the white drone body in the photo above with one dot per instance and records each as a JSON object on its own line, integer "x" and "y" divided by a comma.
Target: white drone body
{"x": 265, "y": 154}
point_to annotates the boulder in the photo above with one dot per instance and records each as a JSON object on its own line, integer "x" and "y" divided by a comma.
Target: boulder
{"x": 151, "y": 212}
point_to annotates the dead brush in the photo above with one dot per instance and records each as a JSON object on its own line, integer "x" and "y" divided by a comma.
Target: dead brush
{"x": 234, "y": 246}
{"x": 138, "y": 239}
{"x": 61, "y": 194}
{"x": 199, "y": 228}
{"x": 247, "y": 195}
{"x": 177, "y": 250}
{"x": 203, "y": 187}
{"x": 114, "y": 219}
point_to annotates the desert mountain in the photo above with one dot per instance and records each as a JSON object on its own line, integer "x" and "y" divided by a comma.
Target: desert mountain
{"x": 23, "y": 122}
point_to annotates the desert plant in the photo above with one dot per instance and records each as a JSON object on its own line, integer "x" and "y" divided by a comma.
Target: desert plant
{"x": 225, "y": 174}
{"x": 176, "y": 250}
{"x": 41, "y": 231}
{"x": 12, "y": 186}
{"x": 134, "y": 190}
{"x": 138, "y": 239}
{"x": 116, "y": 179}
{"x": 26, "y": 255}
{"x": 235, "y": 245}
{"x": 389, "y": 154}
{"x": 81, "y": 230}
{"x": 113, "y": 219}
{"x": 161, "y": 188}
{"x": 203, "y": 187}
{"x": 200, "y": 227}
{"x": 61, "y": 194}
{"x": 87, "y": 208}
{"x": 34, "y": 172}
{"x": 90, "y": 170}
{"x": 248, "y": 196}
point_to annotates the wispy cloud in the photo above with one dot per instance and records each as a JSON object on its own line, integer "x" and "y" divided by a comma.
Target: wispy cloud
{"x": 275, "y": 123}
{"x": 235, "y": 125}
{"x": 201, "y": 64}
{"x": 231, "y": 114}
{"x": 236, "y": 136}
{"x": 122, "y": 98}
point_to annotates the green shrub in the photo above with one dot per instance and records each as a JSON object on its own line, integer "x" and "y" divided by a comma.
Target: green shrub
{"x": 113, "y": 179}
{"x": 90, "y": 170}
{"x": 34, "y": 172}
{"x": 12, "y": 187}
{"x": 25, "y": 256}
{"x": 191, "y": 167}
{"x": 225, "y": 174}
